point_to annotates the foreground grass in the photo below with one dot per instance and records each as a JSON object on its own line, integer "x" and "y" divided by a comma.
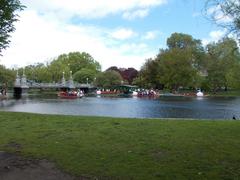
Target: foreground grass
{"x": 114, "y": 148}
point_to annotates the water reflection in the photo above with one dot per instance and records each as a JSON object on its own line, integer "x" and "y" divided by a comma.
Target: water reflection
{"x": 166, "y": 107}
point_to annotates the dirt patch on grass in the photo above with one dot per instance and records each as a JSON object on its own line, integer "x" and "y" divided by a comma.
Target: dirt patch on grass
{"x": 14, "y": 167}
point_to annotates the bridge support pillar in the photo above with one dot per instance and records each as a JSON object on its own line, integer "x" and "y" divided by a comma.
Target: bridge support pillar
{"x": 20, "y": 86}
{"x": 18, "y": 92}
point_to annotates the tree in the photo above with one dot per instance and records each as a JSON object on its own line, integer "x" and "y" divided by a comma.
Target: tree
{"x": 186, "y": 42}
{"x": 182, "y": 41}
{"x": 149, "y": 74}
{"x": 75, "y": 62}
{"x": 56, "y": 69}
{"x": 7, "y": 76}
{"x": 127, "y": 74}
{"x": 108, "y": 79}
{"x": 226, "y": 13}
{"x": 38, "y": 73}
{"x": 84, "y": 75}
{"x": 8, "y": 16}
{"x": 232, "y": 77}
{"x": 177, "y": 66}
{"x": 176, "y": 69}
{"x": 223, "y": 58}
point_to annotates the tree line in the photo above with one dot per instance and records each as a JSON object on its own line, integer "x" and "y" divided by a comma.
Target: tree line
{"x": 186, "y": 64}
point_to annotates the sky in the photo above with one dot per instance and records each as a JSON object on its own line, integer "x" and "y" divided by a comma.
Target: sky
{"x": 122, "y": 33}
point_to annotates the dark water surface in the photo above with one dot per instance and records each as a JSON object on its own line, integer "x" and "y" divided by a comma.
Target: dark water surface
{"x": 163, "y": 107}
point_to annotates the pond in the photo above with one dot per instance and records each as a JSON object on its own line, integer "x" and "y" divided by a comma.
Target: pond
{"x": 163, "y": 107}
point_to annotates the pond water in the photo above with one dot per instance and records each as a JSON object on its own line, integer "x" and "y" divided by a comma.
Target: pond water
{"x": 163, "y": 107}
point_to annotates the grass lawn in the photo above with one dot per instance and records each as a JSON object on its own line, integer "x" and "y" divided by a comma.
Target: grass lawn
{"x": 116, "y": 148}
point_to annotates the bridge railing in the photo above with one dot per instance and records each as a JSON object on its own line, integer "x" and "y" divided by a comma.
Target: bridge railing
{"x": 58, "y": 85}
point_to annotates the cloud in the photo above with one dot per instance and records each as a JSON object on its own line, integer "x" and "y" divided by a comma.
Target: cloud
{"x": 217, "y": 14}
{"x": 150, "y": 35}
{"x": 123, "y": 34}
{"x": 40, "y": 39}
{"x": 141, "y": 13}
{"x": 214, "y": 36}
{"x": 91, "y": 8}
{"x": 45, "y": 30}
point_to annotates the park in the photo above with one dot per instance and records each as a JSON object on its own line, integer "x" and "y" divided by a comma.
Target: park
{"x": 176, "y": 116}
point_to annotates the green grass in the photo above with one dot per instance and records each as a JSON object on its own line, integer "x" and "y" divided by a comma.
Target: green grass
{"x": 114, "y": 148}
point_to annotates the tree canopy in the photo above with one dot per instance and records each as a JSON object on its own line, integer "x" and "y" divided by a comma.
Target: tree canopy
{"x": 82, "y": 65}
{"x": 77, "y": 62}
{"x": 6, "y": 75}
{"x": 223, "y": 58}
{"x": 176, "y": 66}
{"x": 108, "y": 79}
{"x": 85, "y": 75}
{"x": 128, "y": 74}
{"x": 8, "y": 15}
{"x": 186, "y": 64}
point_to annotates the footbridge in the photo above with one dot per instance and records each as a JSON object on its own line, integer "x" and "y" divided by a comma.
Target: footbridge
{"x": 22, "y": 85}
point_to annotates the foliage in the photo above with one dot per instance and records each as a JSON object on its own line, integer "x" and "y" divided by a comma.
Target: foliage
{"x": 84, "y": 75}
{"x": 7, "y": 76}
{"x": 108, "y": 79}
{"x": 80, "y": 63}
{"x": 37, "y": 73}
{"x": 223, "y": 58}
{"x": 233, "y": 75}
{"x": 176, "y": 69}
{"x": 149, "y": 75}
{"x": 185, "y": 63}
{"x": 76, "y": 61}
{"x": 177, "y": 66}
{"x": 128, "y": 74}
{"x": 182, "y": 41}
{"x": 57, "y": 68}
{"x": 116, "y": 148}
{"x": 8, "y": 16}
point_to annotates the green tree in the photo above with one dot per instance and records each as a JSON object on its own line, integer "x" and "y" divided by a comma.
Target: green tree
{"x": 149, "y": 75}
{"x": 108, "y": 79}
{"x": 176, "y": 69}
{"x": 182, "y": 41}
{"x": 84, "y": 75}
{"x": 56, "y": 69}
{"x": 223, "y": 58}
{"x": 177, "y": 66}
{"x": 7, "y": 76}
{"x": 77, "y": 61}
{"x": 186, "y": 42}
{"x": 38, "y": 73}
{"x": 80, "y": 63}
{"x": 8, "y": 16}
{"x": 232, "y": 77}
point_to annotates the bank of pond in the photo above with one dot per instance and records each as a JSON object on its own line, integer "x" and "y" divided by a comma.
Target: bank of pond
{"x": 123, "y": 148}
